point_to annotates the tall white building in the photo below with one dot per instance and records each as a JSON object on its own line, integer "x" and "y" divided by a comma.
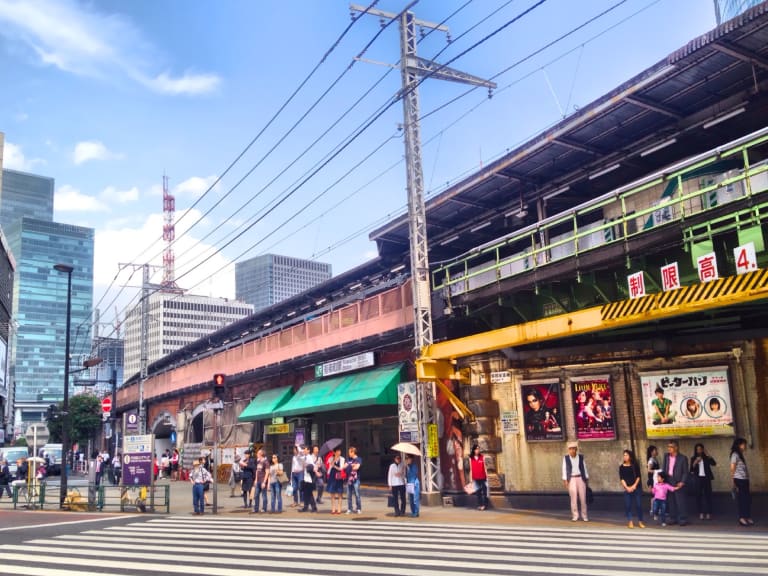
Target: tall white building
{"x": 176, "y": 320}
{"x": 268, "y": 279}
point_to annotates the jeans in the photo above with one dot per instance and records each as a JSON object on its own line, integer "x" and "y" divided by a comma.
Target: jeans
{"x": 353, "y": 487}
{"x": 198, "y": 503}
{"x": 633, "y": 498}
{"x": 398, "y": 495}
{"x": 482, "y": 492}
{"x": 6, "y": 488}
{"x": 296, "y": 478}
{"x": 415, "y": 498}
{"x": 660, "y": 509}
{"x": 277, "y": 496}
{"x": 308, "y": 495}
{"x": 261, "y": 490}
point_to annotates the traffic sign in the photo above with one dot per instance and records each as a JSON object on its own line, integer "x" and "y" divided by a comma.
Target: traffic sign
{"x": 106, "y": 405}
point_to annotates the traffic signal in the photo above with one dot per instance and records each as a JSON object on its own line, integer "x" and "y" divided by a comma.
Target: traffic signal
{"x": 52, "y": 413}
{"x": 218, "y": 382}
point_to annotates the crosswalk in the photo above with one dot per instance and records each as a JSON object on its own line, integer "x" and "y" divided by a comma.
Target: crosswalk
{"x": 280, "y": 546}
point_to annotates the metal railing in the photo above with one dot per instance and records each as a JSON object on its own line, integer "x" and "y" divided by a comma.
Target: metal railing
{"x": 694, "y": 186}
{"x": 90, "y": 498}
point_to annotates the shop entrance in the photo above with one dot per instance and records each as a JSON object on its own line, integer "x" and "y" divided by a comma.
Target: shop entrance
{"x": 372, "y": 438}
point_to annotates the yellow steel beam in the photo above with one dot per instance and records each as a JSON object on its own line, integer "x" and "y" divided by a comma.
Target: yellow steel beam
{"x": 439, "y": 360}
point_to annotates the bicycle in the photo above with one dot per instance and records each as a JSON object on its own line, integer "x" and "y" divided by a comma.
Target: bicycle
{"x": 139, "y": 502}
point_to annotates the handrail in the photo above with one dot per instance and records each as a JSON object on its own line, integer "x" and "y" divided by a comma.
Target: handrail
{"x": 625, "y": 212}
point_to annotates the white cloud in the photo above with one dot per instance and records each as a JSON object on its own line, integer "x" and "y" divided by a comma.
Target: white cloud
{"x": 14, "y": 159}
{"x": 143, "y": 241}
{"x": 186, "y": 84}
{"x": 194, "y": 186}
{"x": 79, "y": 39}
{"x": 69, "y": 199}
{"x": 92, "y": 150}
{"x": 112, "y": 194}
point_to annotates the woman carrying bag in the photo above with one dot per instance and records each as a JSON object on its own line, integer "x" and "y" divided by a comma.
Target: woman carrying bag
{"x": 479, "y": 476}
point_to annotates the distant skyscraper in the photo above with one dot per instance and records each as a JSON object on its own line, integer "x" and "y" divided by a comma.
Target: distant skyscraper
{"x": 727, "y": 9}
{"x": 268, "y": 279}
{"x": 7, "y": 266}
{"x": 40, "y": 292}
{"x": 176, "y": 320}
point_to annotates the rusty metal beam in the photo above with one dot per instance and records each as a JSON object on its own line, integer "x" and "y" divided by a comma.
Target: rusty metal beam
{"x": 741, "y": 54}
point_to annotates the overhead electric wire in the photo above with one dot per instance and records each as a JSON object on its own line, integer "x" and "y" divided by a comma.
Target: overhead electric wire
{"x": 502, "y": 72}
{"x": 285, "y": 104}
{"x": 327, "y": 130}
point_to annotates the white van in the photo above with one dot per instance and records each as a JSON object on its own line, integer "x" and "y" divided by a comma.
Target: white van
{"x": 12, "y": 454}
{"x": 53, "y": 451}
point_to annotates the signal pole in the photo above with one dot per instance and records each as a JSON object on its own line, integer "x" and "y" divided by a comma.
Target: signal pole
{"x": 412, "y": 69}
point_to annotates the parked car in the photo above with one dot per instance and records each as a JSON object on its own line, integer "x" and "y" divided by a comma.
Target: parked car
{"x": 12, "y": 454}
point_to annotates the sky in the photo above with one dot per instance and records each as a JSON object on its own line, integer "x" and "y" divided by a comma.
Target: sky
{"x": 106, "y": 97}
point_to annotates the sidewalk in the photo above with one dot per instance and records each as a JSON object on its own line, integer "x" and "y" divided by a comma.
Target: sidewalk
{"x": 374, "y": 501}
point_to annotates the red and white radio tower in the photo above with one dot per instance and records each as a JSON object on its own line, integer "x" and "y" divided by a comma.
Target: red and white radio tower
{"x": 169, "y": 234}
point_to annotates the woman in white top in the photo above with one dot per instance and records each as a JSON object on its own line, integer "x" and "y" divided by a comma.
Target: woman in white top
{"x": 740, "y": 475}
{"x": 396, "y": 482}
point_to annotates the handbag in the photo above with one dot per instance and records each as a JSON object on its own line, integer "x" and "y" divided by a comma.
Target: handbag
{"x": 470, "y": 487}
{"x": 207, "y": 486}
{"x": 282, "y": 477}
{"x": 410, "y": 488}
{"x": 289, "y": 490}
{"x": 590, "y": 495}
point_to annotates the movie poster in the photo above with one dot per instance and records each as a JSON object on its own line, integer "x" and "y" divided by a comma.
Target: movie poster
{"x": 542, "y": 411}
{"x": 693, "y": 402}
{"x": 592, "y": 399}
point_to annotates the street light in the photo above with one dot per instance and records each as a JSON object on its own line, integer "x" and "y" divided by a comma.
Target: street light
{"x": 67, "y": 269}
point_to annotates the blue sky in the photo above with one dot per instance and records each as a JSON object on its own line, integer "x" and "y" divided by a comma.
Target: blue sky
{"x": 107, "y": 96}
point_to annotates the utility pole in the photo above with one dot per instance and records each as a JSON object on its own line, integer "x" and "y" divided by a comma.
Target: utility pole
{"x": 144, "y": 350}
{"x": 413, "y": 68}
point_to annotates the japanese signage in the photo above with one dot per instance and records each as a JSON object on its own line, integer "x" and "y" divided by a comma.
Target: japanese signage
{"x": 408, "y": 418}
{"x": 433, "y": 445}
{"x": 272, "y": 429}
{"x": 670, "y": 277}
{"x": 636, "y": 285}
{"x": 687, "y": 403}
{"x": 509, "y": 422}
{"x": 131, "y": 422}
{"x": 500, "y": 377}
{"x": 347, "y": 364}
{"x": 745, "y": 258}
{"x": 137, "y": 460}
{"x": 593, "y": 408}
{"x": 542, "y": 411}
{"x": 707, "y": 267}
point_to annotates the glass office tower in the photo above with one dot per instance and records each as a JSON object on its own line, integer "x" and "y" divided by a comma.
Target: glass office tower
{"x": 40, "y": 309}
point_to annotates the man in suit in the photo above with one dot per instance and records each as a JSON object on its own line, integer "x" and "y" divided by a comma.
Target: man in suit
{"x": 676, "y": 468}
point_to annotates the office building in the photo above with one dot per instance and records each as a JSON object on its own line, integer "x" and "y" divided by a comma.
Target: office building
{"x": 111, "y": 352}
{"x": 176, "y": 320}
{"x": 7, "y": 266}
{"x": 268, "y": 279}
{"x": 40, "y": 293}
{"x": 727, "y": 9}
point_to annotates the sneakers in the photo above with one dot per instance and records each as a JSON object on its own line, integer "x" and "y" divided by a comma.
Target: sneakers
{"x": 359, "y": 511}
{"x": 701, "y": 516}
{"x": 655, "y": 518}
{"x": 663, "y": 523}
{"x": 640, "y": 525}
{"x": 630, "y": 524}
{"x": 585, "y": 519}
{"x": 348, "y": 512}
{"x": 574, "y": 519}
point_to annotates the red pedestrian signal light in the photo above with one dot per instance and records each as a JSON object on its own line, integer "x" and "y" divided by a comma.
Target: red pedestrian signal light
{"x": 218, "y": 381}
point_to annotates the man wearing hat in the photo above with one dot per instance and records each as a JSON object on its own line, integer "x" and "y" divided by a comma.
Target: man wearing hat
{"x": 575, "y": 478}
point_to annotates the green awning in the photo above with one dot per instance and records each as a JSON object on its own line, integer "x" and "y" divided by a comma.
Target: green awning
{"x": 265, "y": 403}
{"x": 373, "y": 387}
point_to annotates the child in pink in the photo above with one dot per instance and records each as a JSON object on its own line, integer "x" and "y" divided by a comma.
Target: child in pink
{"x": 660, "y": 489}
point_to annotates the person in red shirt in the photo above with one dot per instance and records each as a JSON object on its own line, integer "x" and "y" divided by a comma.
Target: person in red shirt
{"x": 479, "y": 477}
